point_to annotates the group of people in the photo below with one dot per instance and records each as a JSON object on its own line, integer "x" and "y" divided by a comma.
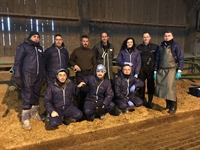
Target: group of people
{"x": 96, "y": 90}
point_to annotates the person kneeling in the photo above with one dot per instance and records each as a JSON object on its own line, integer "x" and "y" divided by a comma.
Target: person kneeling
{"x": 125, "y": 91}
{"x": 58, "y": 100}
{"x": 99, "y": 95}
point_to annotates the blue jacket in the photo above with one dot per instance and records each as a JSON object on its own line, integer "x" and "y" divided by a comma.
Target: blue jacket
{"x": 123, "y": 85}
{"x": 29, "y": 59}
{"x": 102, "y": 92}
{"x": 134, "y": 58}
{"x": 55, "y": 58}
{"x": 177, "y": 53}
{"x": 58, "y": 98}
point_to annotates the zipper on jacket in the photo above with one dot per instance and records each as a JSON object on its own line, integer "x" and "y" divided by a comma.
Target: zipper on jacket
{"x": 63, "y": 98}
{"x": 98, "y": 90}
{"x": 127, "y": 87}
{"x": 59, "y": 55}
{"x": 37, "y": 61}
{"x": 129, "y": 55}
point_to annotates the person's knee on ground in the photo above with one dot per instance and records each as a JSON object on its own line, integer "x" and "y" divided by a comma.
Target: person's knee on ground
{"x": 90, "y": 114}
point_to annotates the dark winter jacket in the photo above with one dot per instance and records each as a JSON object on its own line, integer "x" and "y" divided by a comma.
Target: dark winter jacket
{"x": 105, "y": 55}
{"x": 177, "y": 53}
{"x": 148, "y": 54}
{"x": 102, "y": 92}
{"x": 29, "y": 59}
{"x": 58, "y": 98}
{"x": 55, "y": 58}
{"x": 133, "y": 57}
{"x": 123, "y": 85}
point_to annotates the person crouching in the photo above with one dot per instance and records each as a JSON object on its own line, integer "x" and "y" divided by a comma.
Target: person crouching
{"x": 58, "y": 100}
{"x": 99, "y": 95}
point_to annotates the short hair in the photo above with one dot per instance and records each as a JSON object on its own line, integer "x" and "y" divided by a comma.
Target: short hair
{"x": 84, "y": 36}
{"x": 145, "y": 32}
{"x": 104, "y": 32}
{"x": 57, "y": 35}
{"x": 168, "y": 31}
{"x": 122, "y": 67}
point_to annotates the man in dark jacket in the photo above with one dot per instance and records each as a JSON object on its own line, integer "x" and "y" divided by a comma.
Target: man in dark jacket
{"x": 147, "y": 52}
{"x": 125, "y": 90}
{"x": 100, "y": 94}
{"x": 104, "y": 52}
{"x": 58, "y": 100}
{"x": 56, "y": 57}
{"x": 83, "y": 60}
{"x": 168, "y": 65}
{"x": 29, "y": 73}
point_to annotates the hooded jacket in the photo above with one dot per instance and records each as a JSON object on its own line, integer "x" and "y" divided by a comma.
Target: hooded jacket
{"x": 133, "y": 57}
{"x": 29, "y": 59}
{"x": 98, "y": 92}
{"x": 57, "y": 97}
{"x": 55, "y": 58}
{"x": 123, "y": 85}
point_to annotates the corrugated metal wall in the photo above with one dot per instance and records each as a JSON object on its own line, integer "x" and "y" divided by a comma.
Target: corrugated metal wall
{"x": 121, "y": 18}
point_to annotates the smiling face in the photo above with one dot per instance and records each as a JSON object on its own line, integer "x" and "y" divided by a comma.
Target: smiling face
{"x": 58, "y": 41}
{"x": 129, "y": 43}
{"x": 62, "y": 76}
{"x": 126, "y": 70}
{"x": 35, "y": 38}
{"x": 100, "y": 74}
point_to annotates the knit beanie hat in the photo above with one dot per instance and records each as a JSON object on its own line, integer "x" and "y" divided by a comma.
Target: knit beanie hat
{"x": 101, "y": 67}
{"x": 33, "y": 33}
{"x": 62, "y": 70}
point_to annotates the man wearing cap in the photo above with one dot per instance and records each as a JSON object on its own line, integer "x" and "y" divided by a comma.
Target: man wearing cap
{"x": 58, "y": 100}
{"x": 99, "y": 96}
{"x": 29, "y": 73}
{"x": 125, "y": 90}
{"x": 56, "y": 57}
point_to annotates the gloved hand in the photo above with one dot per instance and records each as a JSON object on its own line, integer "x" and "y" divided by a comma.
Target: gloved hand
{"x": 129, "y": 63}
{"x": 178, "y": 75}
{"x": 101, "y": 109}
{"x": 85, "y": 88}
{"x": 18, "y": 82}
{"x": 136, "y": 75}
{"x": 154, "y": 75}
{"x": 130, "y": 103}
{"x": 132, "y": 89}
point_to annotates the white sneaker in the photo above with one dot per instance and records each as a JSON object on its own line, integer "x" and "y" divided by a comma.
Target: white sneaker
{"x": 103, "y": 117}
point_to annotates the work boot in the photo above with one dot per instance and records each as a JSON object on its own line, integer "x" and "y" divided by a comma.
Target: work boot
{"x": 150, "y": 98}
{"x": 26, "y": 124}
{"x": 126, "y": 111}
{"x": 68, "y": 120}
{"x": 173, "y": 108}
{"x": 35, "y": 113}
{"x": 117, "y": 111}
{"x": 91, "y": 117}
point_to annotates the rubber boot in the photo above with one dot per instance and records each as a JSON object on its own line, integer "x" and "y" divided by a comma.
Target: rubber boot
{"x": 117, "y": 111}
{"x": 150, "y": 98}
{"x": 168, "y": 104}
{"x": 35, "y": 113}
{"x": 26, "y": 124}
{"x": 173, "y": 108}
